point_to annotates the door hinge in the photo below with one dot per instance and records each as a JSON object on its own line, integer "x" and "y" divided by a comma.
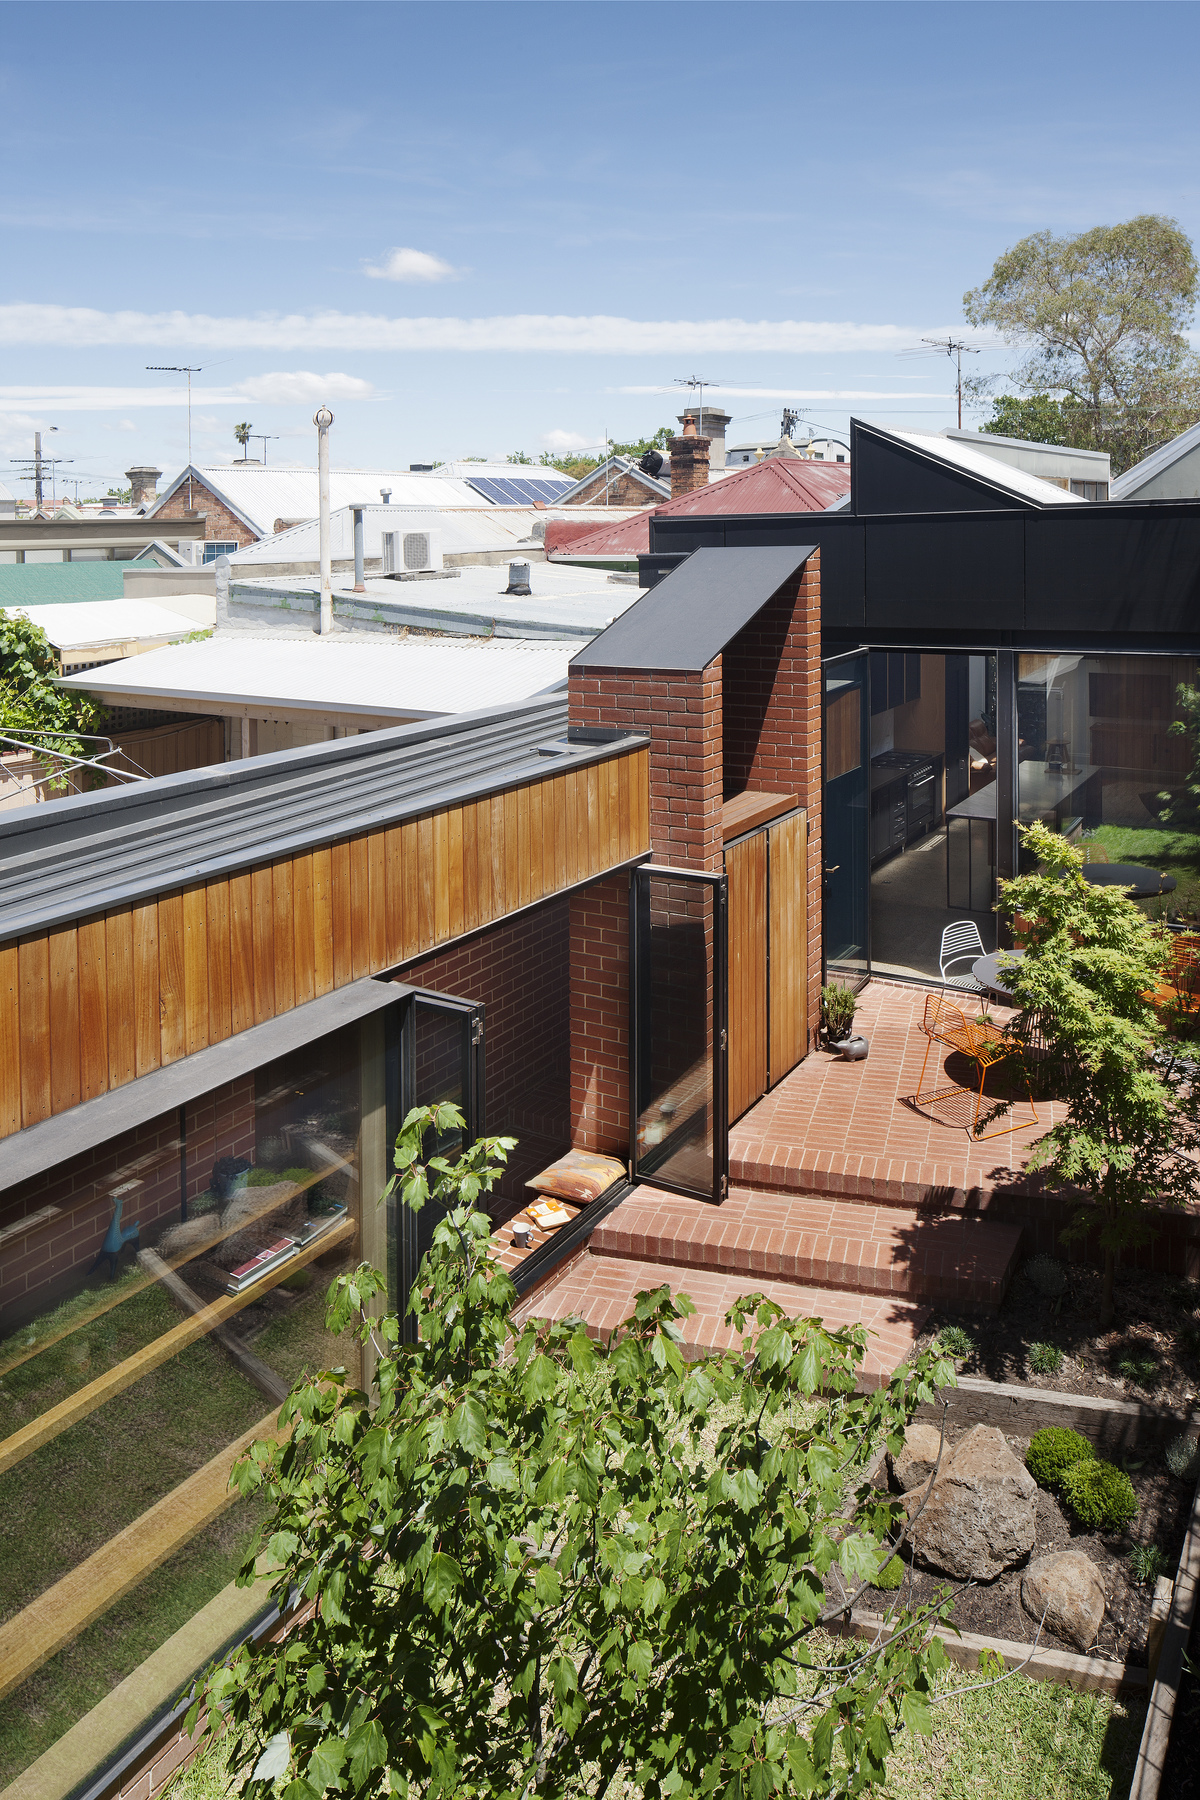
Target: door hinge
{"x": 724, "y": 1186}
{"x": 476, "y": 1030}
{"x": 722, "y": 1037}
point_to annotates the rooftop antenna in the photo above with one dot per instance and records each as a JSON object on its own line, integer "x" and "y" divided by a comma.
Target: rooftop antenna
{"x": 949, "y": 346}
{"x": 264, "y": 438}
{"x": 701, "y": 382}
{"x": 188, "y": 369}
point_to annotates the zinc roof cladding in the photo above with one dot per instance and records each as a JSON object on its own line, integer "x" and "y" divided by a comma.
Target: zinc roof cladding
{"x": 60, "y": 584}
{"x": 692, "y": 614}
{"x": 983, "y": 467}
{"x": 1128, "y": 485}
{"x": 84, "y": 854}
{"x": 474, "y": 527}
{"x": 101, "y": 622}
{"x": 368, "y": 677}
{"x": 258, "y": 496}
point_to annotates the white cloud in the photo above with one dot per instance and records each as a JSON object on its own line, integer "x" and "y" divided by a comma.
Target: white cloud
{"x": 404, "y": 264}
{"x": 564, "y": 440}
{"x": 279, "y": 388}
{"x": 595, "y": 334}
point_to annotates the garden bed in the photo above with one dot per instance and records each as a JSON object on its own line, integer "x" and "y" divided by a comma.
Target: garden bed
{"x": 1150, "y": 1354}
{"x": 994, "y": 1608}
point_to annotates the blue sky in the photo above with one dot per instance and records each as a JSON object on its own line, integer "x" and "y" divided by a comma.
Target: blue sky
{"x": 594, "y": 199}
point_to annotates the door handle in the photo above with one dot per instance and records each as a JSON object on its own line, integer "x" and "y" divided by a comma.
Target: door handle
{"x": 832, "y": 868}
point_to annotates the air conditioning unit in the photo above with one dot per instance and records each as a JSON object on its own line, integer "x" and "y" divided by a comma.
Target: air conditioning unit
{"x": 411, "y": 552}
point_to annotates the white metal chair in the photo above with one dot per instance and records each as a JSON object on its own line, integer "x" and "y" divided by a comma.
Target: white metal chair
{"x": 961, "y": 944}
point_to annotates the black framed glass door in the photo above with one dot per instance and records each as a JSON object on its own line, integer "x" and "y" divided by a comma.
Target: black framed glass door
{"x": 846, "y": 816}
{"x": 438, "y": 1060}
{"x": 679, "y": 1138}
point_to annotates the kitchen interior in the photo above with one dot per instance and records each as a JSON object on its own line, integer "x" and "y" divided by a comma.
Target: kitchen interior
{"x": 932, "y": 830}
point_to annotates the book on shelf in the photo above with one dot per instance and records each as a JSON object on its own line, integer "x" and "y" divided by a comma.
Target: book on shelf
{"x": 260, "y": 1264}
{"x": 318, "y": 1226}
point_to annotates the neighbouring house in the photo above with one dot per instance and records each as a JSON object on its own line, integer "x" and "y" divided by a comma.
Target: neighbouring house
{"x": 779, "y": 485}
{"x": 1085, "y": 473}
{"x": 89, "y": 633}
{"x": 244, "y": 502}
{"x": 596, "y": 919}
{"x": 1172, "y": 472}
{"x": 620, "y": 481}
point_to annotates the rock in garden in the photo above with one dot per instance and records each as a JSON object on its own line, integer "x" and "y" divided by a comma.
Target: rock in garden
{"x": 1068, "y": 1589}
{"x": 914, "y": 1463}
{"x": 979, "y": 1518}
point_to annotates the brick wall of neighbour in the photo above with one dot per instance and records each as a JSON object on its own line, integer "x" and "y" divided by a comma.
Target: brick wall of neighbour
{"x": 37, "y": 1264}
{"x": 624, "y": 490}
{"x": 772, "y": 723}
{"x": 518, "y": 973}
{"x": 599, "y": 1048}
{"x": 689, "y": 464}
{"x": 219, "y": 521}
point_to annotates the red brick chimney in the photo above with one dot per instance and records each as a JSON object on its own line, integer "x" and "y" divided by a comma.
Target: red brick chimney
{"x": 689, "y": 461}
{"x": 143, "y": 483}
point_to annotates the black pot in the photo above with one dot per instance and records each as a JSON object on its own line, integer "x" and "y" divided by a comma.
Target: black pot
{"x": 852, "y": 1049}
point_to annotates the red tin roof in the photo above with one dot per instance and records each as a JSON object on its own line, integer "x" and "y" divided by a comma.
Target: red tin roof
{"x": 776, "y": 485}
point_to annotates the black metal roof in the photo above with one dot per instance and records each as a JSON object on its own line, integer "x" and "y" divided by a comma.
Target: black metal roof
{"x": 692, "y": 614}
{"x": 89, "y": 852}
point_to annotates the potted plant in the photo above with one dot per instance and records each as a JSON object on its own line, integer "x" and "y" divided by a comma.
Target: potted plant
{"x": 838, "y": 1007}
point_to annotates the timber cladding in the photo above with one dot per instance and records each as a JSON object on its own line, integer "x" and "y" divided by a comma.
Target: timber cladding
{"x": 92, "y": 1004}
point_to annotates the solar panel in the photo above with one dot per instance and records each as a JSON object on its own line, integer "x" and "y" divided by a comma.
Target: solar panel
{"x": 522, "y": 490}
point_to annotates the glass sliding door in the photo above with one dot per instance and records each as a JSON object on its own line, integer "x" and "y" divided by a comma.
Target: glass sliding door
{"x": 846, "y": 816}
{"x": 679, "y": 1136}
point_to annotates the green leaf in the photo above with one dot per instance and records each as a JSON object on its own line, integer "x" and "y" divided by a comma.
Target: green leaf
{"x": 325, "y": 1763}
{"x": 547, "y": 1585}
{"x": 640, "y": 1659}
{"x": 276, "y": 1758}
{"x": 442, "y": 1579}
{"x": 469, "y": 1423}
{"x": 915, "y": 1711}
{"x": 541, "y": 1378}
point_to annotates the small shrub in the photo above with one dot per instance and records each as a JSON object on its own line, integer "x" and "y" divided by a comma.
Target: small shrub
{"x": 1137, "y": 1363}
{"x": 1182, "y": 1457}
{"x": 1186, "y": 1295}
{"x": 1147, "y": 1563}
{"x": 1100, "y": 1495}
{"x": 263, "y": 1178}
{"x": 891, "y": 1574}
{"x": 956, "y": 1342}
{"x": 1047, "y": 1275}
{"x": 1044, "y": 1359}
{"x": 1053, "y": 1452}
{"x": 838, "y": 1007}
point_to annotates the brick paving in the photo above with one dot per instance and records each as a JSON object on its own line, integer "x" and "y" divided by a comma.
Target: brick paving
{"x": 602, "y": 1289}
{"x": 851, "y": 1129}
{"x": 960, "y": 1261}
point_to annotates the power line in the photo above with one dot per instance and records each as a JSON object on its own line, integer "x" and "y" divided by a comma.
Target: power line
{"x": 188, "y": 369}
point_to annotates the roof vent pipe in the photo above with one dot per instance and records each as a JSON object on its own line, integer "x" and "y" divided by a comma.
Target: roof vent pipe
{"x": 360, "y": 586}
{"x": 323, "y": 419}
{"x": 518, "y": 578}
{"x": 385, "y": 494}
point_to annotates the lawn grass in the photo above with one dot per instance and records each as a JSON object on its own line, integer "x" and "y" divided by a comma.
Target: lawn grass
{"x": 67, "y": 1500}
{"x": 1158, "y": 847}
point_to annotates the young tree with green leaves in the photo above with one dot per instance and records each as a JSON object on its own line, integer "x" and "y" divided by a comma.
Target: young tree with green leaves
{"x": 1129, "y": 1139}
{"x": 547, "y": 1566}
{"x": 1037, "y": 418}
{"x": 1102, "y": 316}
{"x": 32, "y": 709}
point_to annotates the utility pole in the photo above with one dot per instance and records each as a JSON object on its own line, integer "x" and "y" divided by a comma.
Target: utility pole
{"x": 954, "y": 347}
{"x": 323, "y": 419}
{"x": 188, "y": 369}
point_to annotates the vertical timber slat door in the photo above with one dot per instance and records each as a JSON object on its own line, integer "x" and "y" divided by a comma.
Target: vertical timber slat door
{"x": 746, "y": 871}
{"x": 788, "y": 943}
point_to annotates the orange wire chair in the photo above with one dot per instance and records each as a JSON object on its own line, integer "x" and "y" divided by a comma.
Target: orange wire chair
{"x": 984, "y": 1042}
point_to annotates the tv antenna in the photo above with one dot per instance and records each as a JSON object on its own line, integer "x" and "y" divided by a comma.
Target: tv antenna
{"x": 955, "y": 349}
{"x": 264, "y": 438}
{"x": 701, "y": 382}
{"x": 188, "y": 369}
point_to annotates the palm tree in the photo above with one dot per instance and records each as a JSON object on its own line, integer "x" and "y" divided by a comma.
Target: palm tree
{"x": 242, "y": 434}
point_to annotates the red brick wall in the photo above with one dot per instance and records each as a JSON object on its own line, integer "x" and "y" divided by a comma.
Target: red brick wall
{"x": 599, "y": 1048}
{"x": 518, "y": 972}
{"x": 689, "y": 464}
{"x": 625, "y": 490}
{"x": 772, "y": 723}
{"x": 219, "y": 521}
{"x": 36, "y": 1267}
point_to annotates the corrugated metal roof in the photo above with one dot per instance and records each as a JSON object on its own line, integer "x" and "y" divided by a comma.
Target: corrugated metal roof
{"x": 779, "y": 485}
{"x": 370, "y": 677}
{"x": 89, "y": 852}
{"x": 695, "y": 610}
{"x": 260, "y": 495}
{"x": 474, "y": 527}
{"x": 106, "y": 622}
{"x": 1126, "y": 486}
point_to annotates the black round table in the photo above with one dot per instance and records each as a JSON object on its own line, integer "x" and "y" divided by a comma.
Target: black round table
{"x": 986, "y": 970}
{"x": 1140, "y": 883}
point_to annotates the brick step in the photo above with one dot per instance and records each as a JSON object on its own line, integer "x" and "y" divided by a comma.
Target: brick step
{"x": 602, "y": 1290}
{"x": 887, "y": 1180}
{"x": 963, "y": 1263}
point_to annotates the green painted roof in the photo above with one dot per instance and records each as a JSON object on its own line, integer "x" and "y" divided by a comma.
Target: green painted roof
{"x": 45, "y": 584}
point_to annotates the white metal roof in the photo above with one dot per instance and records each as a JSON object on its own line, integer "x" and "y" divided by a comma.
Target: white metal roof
{"x": 78, "y": 623}
{"x": 370, "y": 677}
{"x": 988, "y": 468}
{"x": 461, "y": 528}
{"x": 260, "y": 495}
{"x": 1129, "y": 485}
